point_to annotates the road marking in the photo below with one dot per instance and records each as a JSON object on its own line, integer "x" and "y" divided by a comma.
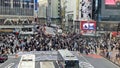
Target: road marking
{"x": 46, "y": 65}
{"x": 16, "y": 66}
{"x": 3, "y": 63}
{"x": 10, "y": 65}
{"x": 86, "y": 59}
{"x": 11, "y": 56}
{"x": 57, "y": 64}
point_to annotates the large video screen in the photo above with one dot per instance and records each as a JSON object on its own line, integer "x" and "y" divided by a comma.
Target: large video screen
{"x": 112, "y": 4}
{"x": 109, "y": 10}
{"x": 88, "y": 25}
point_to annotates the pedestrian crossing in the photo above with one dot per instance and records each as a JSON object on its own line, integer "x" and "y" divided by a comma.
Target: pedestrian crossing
{"x": 11, "y": 56}
{"x": 47, "y": 65}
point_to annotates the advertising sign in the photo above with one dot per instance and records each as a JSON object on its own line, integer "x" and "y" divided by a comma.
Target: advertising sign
{"x": 36, "y": 5}
{"x": 112, "y": 4}
{"x": 109, "y": 10}
{"x": 88, "y": 28}
{"x": 88, "y": 25}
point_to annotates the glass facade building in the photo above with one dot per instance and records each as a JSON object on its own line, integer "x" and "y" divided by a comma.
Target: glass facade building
{"x": 17, "y": 7}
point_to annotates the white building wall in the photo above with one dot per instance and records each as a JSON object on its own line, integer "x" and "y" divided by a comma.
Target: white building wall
{"x": 54, "y": 7}
{"x": 42, "y": 11}
{"x": 62, "y": 3}
{"x": 42, "y": 8}
{"x": 70, "y": 5}
{"x": 70, "y": 8}
{"x": 84, "y": 10}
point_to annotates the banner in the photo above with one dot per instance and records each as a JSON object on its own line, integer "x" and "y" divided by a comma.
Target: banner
{"x": 88, "y": 28}
{"x": 112, "y": 4}
{"x": 36, "y": 5}
{"x": 88, "y": 25}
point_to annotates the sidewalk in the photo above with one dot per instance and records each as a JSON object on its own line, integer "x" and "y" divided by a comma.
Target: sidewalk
{"x": 112, "y": 56}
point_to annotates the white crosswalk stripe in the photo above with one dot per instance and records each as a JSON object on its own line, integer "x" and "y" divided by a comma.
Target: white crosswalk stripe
{"x": 47, "y": 65}
{"x": 11, "y": 56}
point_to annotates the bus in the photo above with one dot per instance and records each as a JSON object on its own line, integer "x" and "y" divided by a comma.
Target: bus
{"x": 27, "y": 61}
{"x": 68, "y": 59}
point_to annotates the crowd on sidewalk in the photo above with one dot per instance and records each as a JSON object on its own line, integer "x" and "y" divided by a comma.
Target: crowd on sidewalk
{"x": 11, "y": 44}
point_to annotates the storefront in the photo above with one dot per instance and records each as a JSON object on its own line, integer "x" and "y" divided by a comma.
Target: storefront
{"x": 107, "y": 26}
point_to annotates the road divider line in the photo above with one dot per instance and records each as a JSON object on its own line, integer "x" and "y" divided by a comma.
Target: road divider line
{"x": 10, "y": 65}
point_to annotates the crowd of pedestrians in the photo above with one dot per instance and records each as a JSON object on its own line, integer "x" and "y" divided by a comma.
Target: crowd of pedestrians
{"x": 11, "y": 44}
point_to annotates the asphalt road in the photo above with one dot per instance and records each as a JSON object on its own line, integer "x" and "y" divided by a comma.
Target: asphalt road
{"x": 37, "y": 64}
{"x": 96, "y": 61}
{"x": 100, "y": 62}
{"x": 10, "y": 63}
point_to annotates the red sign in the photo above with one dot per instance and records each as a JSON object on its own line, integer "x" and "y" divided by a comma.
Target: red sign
{"x": 88, "y": 25}
{"x": 110, "y": 2}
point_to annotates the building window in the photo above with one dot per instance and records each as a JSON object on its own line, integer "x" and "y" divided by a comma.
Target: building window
{"x": 2, "y": 3}
{"x": 16, "y": 3}
{"x": 26, "y": 3}
{"x": 7, "y": 3}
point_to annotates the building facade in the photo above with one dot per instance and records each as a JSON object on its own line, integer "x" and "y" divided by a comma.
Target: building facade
{"x": 106, "y": 13}
{"x": 49, "y": 11}
{"x": 42, "y": 11}
{"x": 75, "y": 11}
{"x": 11, "y": 10}
{"x": 54, "y": 11}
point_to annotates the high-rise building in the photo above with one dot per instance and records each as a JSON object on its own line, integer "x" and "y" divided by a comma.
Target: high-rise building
{"x": 49, "y": 11}
{"x": 11, "y": 10}
{"x": 75, "y": 11}
{"x": 42, "y": 8}
{"x": 107, "y": 13}
{"x": 42, "y": 11}
{"x": 54, "y": 11}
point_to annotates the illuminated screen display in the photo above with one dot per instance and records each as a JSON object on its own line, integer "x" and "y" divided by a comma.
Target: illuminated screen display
{"x": 112, "y": 4}
{"x": 109, "y": 10}
{"x": 85, "y": 25}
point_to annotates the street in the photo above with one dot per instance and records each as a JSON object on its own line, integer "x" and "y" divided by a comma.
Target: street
{"x": 10, "y": 63}
{"x": 94, "y": 60}
{"x": 100, "y": 62}
{"x": 86, "y": 31}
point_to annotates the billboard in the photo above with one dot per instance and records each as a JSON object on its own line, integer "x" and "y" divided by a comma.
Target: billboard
{"x": 36, "y": 5}
{"x": 112, "y": 4}
{"x": 109, "y": 10}
{"x": 85, "y": 9}
{"x": 88, "y": 25}
{"x": 88, "y": 28}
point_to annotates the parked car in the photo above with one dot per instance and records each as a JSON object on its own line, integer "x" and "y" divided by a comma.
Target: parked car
{"x": 3, "y": 58}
